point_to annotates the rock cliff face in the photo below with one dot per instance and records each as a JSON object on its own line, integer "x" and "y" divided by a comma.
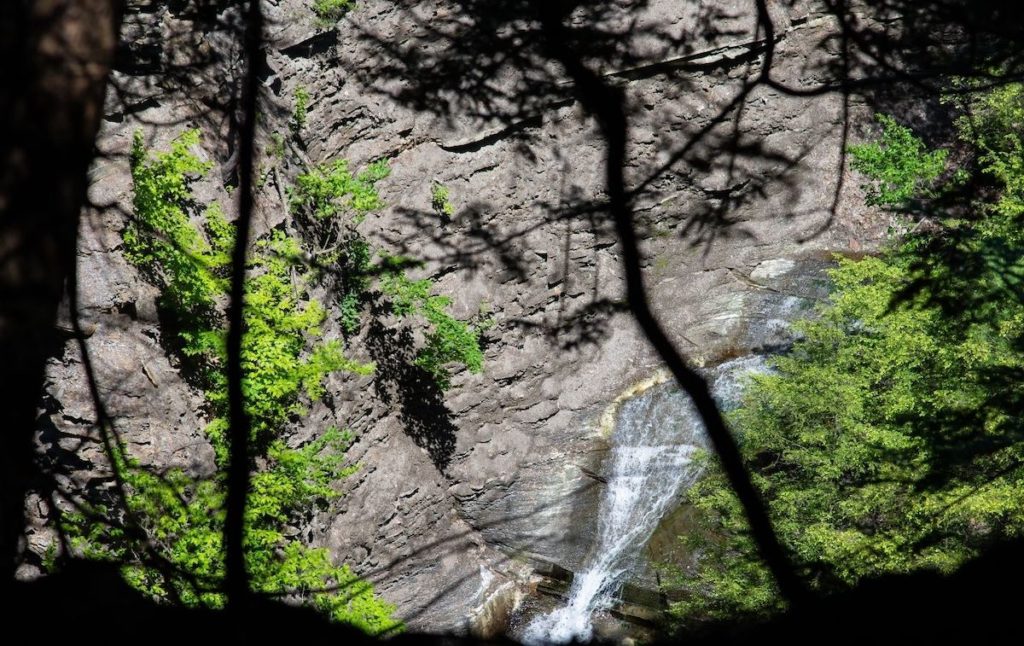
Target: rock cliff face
{"x": 456, "y": 499}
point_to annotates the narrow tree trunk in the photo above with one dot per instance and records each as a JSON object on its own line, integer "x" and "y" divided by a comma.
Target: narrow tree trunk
{"x": 607, "y": 104}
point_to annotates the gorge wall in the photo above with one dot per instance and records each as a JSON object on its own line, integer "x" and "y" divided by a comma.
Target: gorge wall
{"x": 458, "y": 497}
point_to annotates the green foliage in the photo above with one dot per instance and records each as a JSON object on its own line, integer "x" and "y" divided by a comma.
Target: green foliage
{"x": 329, "y": 202}
{"x": 184, "y": 519}
{"x": 276, "y": 149}
{"x": 976, "y": 264}
{"x": 331, "y": 190}
{"x": 49, "y": 560}
{"x": 168, "y": 535}
{"x": 449, "y": 340}
{"x": 889, "y": 439}
{"x": 899, "y": 164}
{"x": 350, "y": 304}
{"x": 994, "y": 124}
{"x": 161, "y": 238}
{"x": 167, "y": 532}
{"x": 330, "y": 11}
{"x": 300, "y": 111}
{"x": 439, "y": 201}
{"x": 844, "y": 439}
{"x": 192, "y": 273}
{"x": 279, "y": 318}
{"x": 484, "y": 319}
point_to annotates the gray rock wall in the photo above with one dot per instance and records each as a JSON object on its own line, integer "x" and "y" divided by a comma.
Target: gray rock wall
{"x": 523, "y": 438}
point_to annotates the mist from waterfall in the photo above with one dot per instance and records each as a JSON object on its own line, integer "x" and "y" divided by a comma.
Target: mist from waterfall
{"x": 656, "y": 434}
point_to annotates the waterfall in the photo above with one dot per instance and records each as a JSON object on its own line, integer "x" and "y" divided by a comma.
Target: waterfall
{"x": 655, "y": 436}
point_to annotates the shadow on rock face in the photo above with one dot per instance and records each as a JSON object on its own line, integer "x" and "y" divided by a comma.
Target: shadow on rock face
{"x": 422, "y": 410}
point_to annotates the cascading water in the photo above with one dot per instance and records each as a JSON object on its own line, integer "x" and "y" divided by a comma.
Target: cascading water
{"x": 655, "y": 436}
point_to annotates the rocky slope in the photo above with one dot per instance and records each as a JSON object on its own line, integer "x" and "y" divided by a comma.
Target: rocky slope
{"x": 457, "y": 498}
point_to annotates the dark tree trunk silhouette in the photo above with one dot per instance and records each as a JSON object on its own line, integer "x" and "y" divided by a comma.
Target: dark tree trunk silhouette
{"x": 237, "y": 579}
{"x": 607, "y": 105}
{"x": 56, "y": 58}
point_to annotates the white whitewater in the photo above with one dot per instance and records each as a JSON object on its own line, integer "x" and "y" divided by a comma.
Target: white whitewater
{"x": 655, "y": 436}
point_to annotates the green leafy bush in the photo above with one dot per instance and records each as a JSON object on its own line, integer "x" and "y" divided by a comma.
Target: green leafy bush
{"x": 439, "y": 201}
{"x": 278, "y": 362}
{"x": 179, "y": 553}
{"x": 448, "y": 340}
{"x": 276, "y": 148}
{"x": 331, "y": 191}
{"x": 994, "y": 124}
{"x": 184, "y": 519}
{"x": 330, "y": 11}
{"x": 888, "y": 440}
{"x": 899, "y": 164}
{"x": 161, "y": 238}
{"x": 329, "y": 202}
{"x": 300, "y": 111}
